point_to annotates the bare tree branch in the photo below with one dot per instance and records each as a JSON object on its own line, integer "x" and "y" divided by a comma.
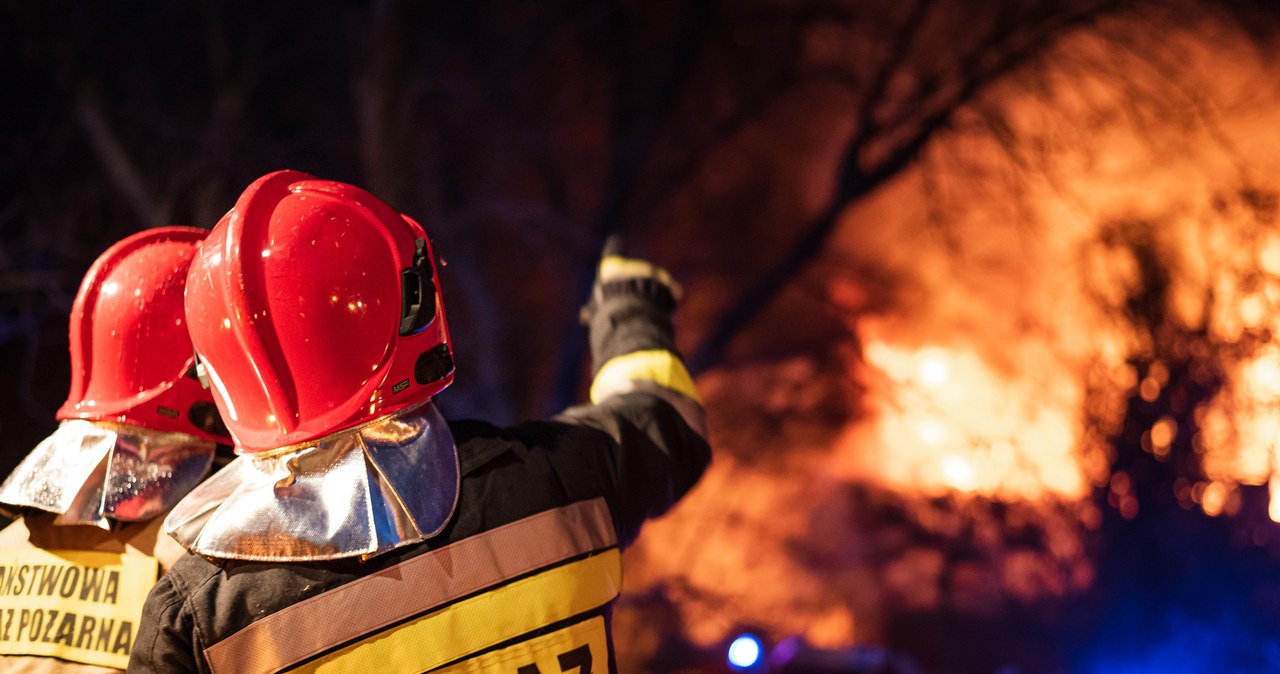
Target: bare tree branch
{"x": 115, "y": 159}
{"x": 632, "y": 143}
{"x": 378, "y": 99}
{"x": 999, "y": 53}
{"x": 753, "y": 106}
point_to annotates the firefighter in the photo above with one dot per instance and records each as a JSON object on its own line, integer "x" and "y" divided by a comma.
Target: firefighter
{"x": 137, "y": 432}
{"x": 359, "y": 530}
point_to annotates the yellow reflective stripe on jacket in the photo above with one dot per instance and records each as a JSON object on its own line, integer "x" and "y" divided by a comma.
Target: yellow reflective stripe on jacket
{"x": 483, "y": 621}
{"x": 413, "y": 588}
{"x": 580, "y": 647}
{"x": 76, "y": 605}
{"x": 656, "y": 365}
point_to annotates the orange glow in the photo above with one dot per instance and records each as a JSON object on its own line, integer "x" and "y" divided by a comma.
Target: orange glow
{"x": 1242, "y": 430}
{"x": 1263, "y": 376}
{"x": 947, "y": 421}
{"x": 1128, "y": 507}
{"x": 1149, "y": 389}
{"x": 931, "y": 432}
{"x": 933, "y": 369}
{"x": 1159, "y": 439}
{"x": 1162, "y": 432}
{"x": 1273, "y": 508}
{"x": 1269, "y": 254}
{"x": 1214, "y": 499}
{"x": 1120, "y": 483}
{"x": 959, "y": 473}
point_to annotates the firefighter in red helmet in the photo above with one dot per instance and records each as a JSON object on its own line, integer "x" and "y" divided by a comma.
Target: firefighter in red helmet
{"x": 359, "y": 530}
{"x": 137, "y": 432}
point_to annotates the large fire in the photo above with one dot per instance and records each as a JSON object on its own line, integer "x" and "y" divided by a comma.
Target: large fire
{"x": 1084, "y": 235}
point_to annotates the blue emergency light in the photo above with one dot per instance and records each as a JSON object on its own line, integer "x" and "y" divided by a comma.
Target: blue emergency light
{"x": 745, "y": 652}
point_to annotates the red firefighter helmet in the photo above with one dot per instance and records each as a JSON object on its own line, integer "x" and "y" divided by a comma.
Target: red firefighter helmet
{"x": 314, "y": 306}
{"x": 130, "y": 352}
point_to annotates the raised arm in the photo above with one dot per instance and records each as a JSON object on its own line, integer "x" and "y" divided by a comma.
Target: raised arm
{"x": 641, "y": 394}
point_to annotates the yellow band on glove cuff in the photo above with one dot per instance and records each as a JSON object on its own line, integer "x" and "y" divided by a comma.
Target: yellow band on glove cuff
{"x": 615, "y": 267}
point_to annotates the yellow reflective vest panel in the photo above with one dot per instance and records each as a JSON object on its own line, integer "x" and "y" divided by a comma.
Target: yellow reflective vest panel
{"x": 71, "y": 596}
{"x": 524, "y": 598}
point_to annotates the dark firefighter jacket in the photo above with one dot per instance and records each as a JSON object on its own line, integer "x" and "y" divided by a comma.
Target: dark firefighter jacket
{"x": 521, "y": 579}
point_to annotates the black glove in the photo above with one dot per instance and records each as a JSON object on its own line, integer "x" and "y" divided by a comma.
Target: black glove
{"x": 618, "y": 274}
{"x": 630, "y": 306}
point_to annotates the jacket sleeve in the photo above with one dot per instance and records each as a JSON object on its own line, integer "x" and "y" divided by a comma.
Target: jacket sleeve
{"x": 164, "y": 644}
{"x": 642, "y": 397}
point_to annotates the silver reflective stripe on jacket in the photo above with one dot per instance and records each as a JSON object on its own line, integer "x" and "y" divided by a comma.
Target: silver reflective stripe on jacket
{"x": 394, "y": 602}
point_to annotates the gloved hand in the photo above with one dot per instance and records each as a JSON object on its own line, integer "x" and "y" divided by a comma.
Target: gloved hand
{"x": 614, "y": 266}
{"x": 618, "y": 274}
{"x": 630, "y": 305}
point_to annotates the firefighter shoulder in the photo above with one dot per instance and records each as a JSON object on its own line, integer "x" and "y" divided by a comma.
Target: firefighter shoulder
{"x": 359, "y": 530}
{"x": 135, "y": 434}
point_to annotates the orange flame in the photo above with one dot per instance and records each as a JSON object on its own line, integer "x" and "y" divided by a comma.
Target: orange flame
{"x": 947, "y": 421}
{"x": 1241, "y": 433}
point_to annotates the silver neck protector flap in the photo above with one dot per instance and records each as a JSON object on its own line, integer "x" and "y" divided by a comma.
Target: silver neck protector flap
{"x": 89, "y": 472}
{"x": 362, "y": 491}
